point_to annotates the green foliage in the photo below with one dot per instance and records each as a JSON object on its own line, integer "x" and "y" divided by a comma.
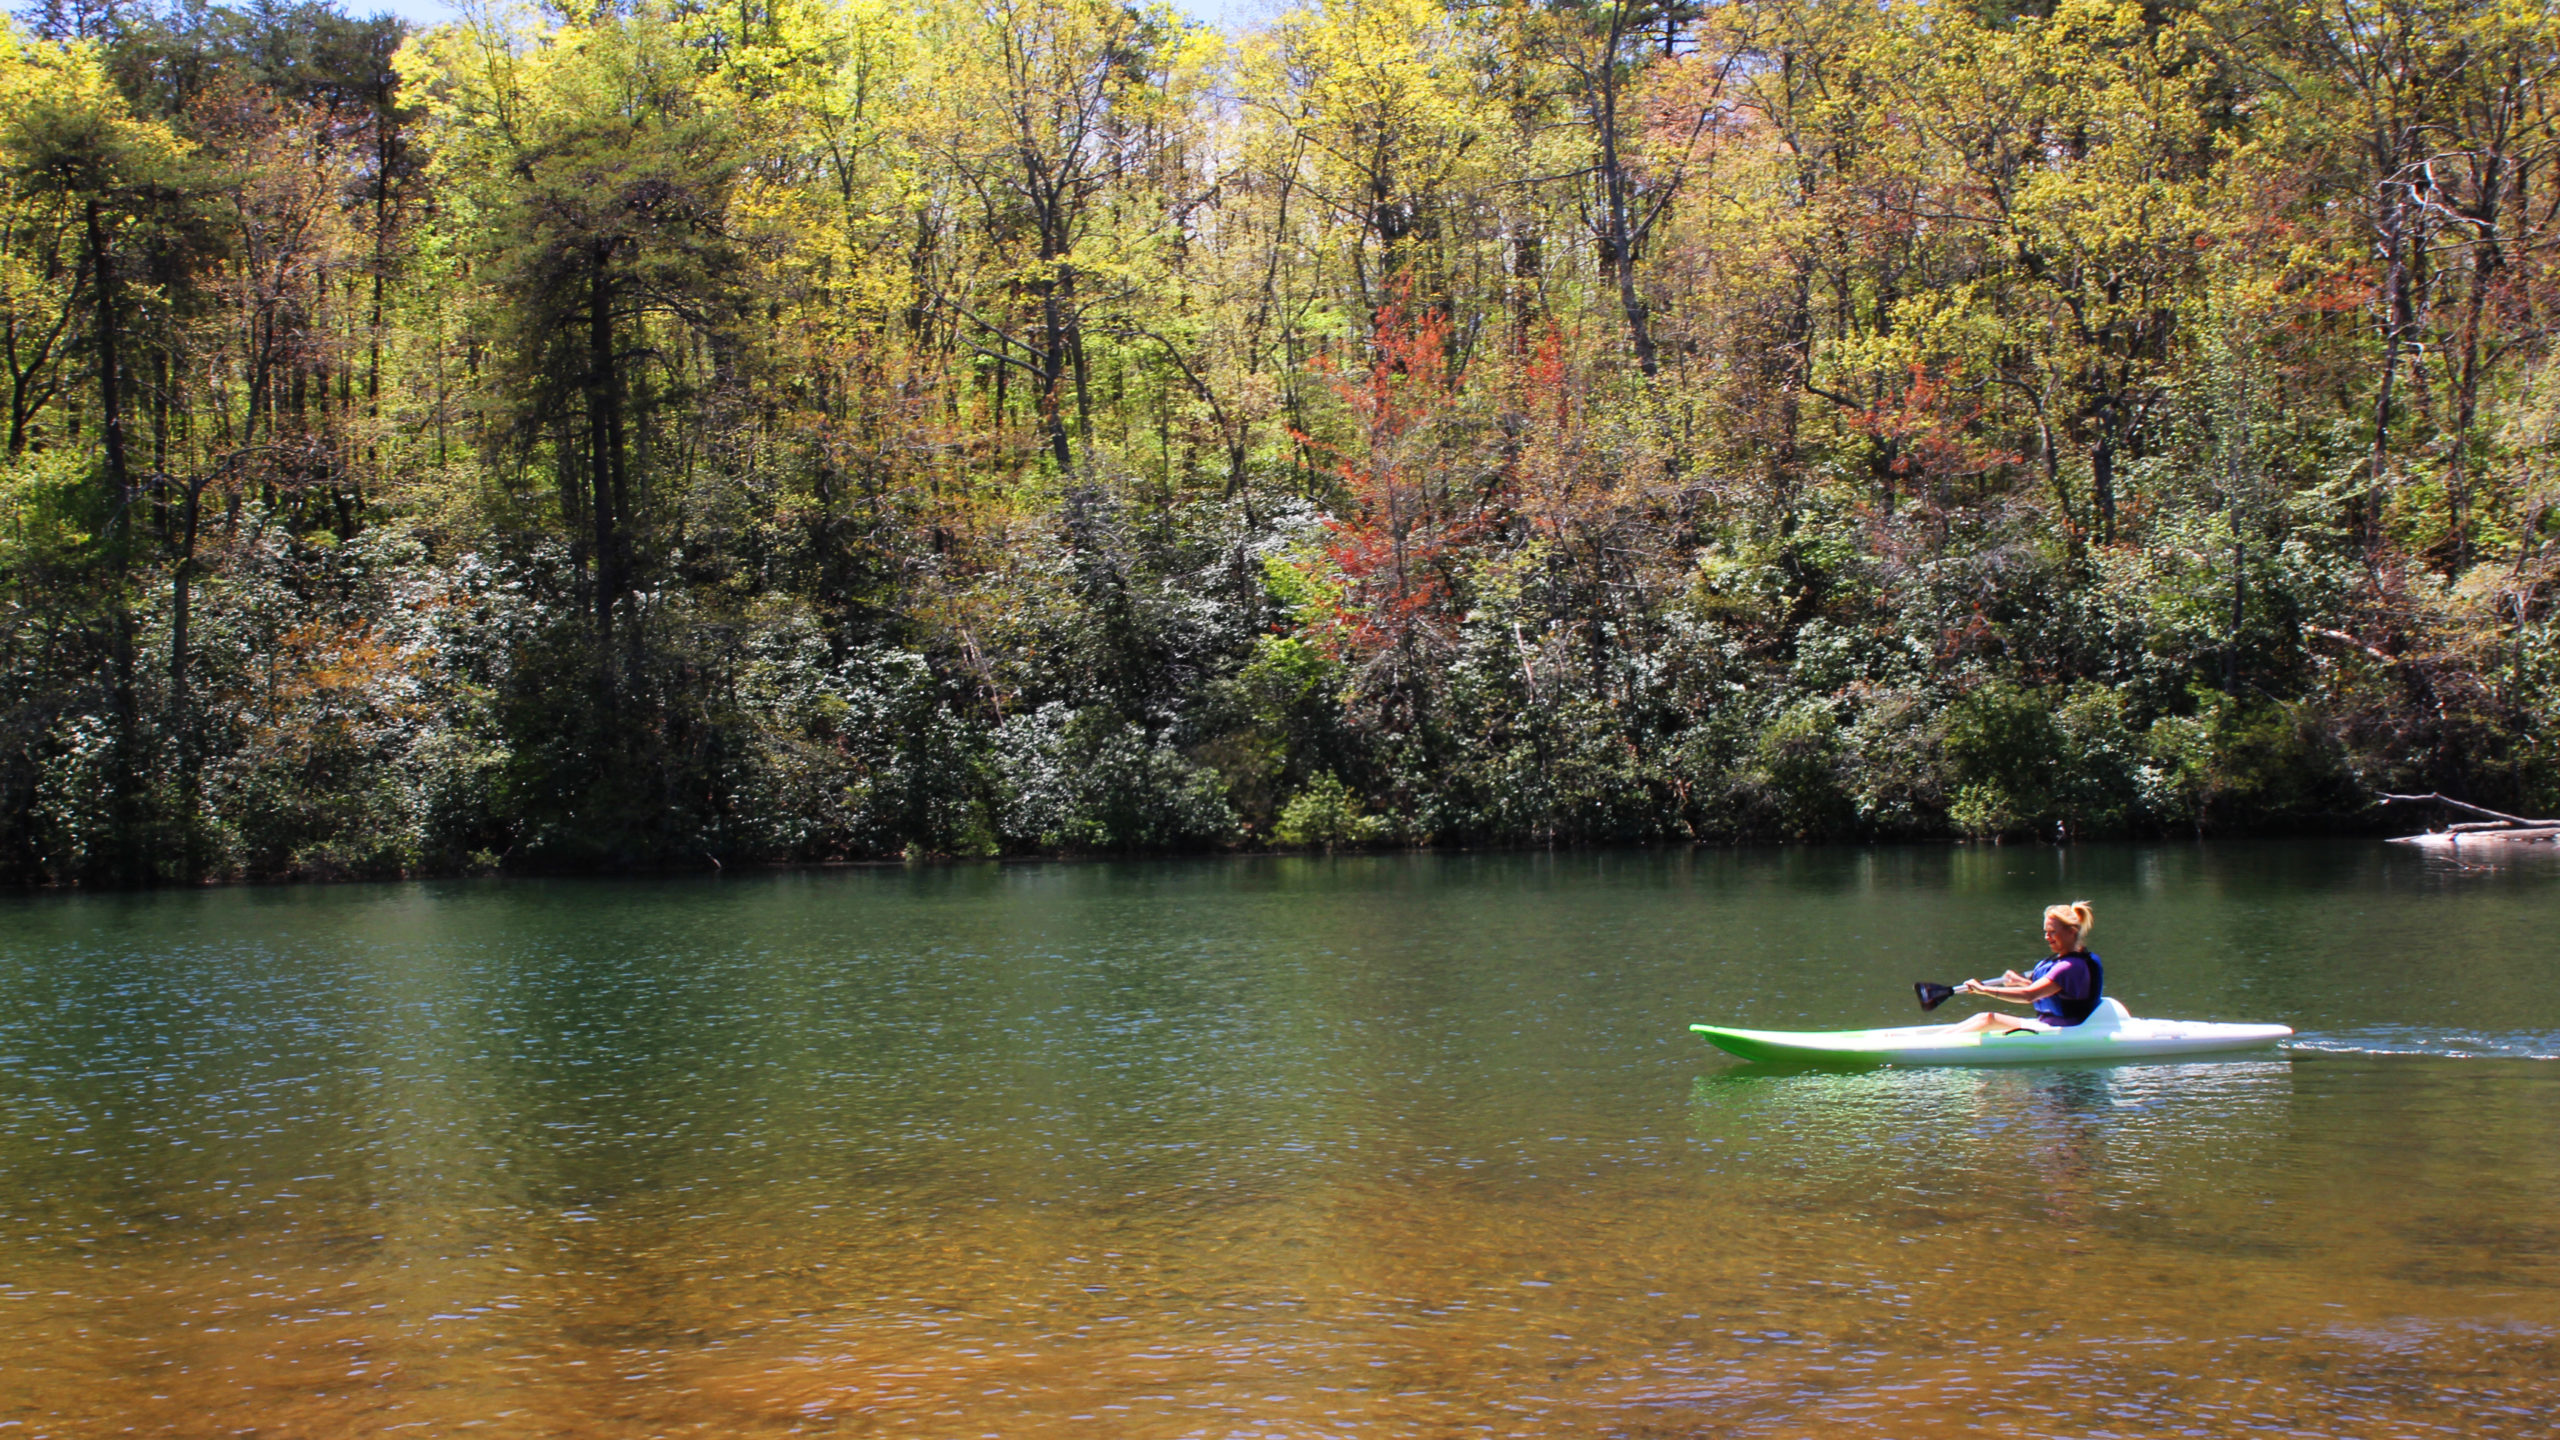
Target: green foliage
{"x": 1084, "y": 780}
{"x": 1326, "y": 815}
{"x": 1280, "y": 714}
{"x": 2099, "y": 788}
{"x": 661, "y": 435}
{"x": 1985, "y": 812}
{"x": 2005, "y": 753}
{"x": 1797, "y": 782}
{"x": 51, "y": 510}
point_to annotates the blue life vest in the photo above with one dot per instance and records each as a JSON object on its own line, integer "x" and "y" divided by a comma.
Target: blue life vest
{"x": 2063, "y": 1007}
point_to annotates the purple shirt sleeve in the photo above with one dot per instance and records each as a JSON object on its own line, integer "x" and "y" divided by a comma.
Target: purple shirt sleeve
{"x": 2072, "y": 974}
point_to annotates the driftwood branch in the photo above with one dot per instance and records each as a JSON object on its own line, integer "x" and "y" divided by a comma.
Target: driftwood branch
{"x": 2498, "y": 819}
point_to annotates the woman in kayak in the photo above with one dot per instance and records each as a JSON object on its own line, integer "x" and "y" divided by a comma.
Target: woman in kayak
{"x": 2065, "y": 988}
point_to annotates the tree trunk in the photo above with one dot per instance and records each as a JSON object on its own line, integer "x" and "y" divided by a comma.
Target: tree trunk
{"x": 29, "y": 390}
{"x": 125, "y": 861}
{"x": 2102, "y": 486}
{"x": 604, "y": 440}
{"x": 1053, "y": 368}
{"x": 381, "y": 258}
{"x": 1084, "y": 387}
{"x": 110, "y": 374}
{"x": 1528, "y": 261}
{"x": 2395, "y": 311}
{"x": 2487, "y": 259}
{"x": 181, "y": 702}
{"x": 2053, "y": 477}
{"x": 1617, "y": 242}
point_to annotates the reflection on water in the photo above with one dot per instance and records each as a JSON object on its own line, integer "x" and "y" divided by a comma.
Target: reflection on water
{"x": 1392, "y": 1147}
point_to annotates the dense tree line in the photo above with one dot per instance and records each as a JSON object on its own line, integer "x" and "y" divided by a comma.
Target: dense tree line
{"x": 648, "y": 432}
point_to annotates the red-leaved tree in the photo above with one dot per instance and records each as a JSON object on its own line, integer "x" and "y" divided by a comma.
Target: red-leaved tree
{"x": 1416, "y": 496}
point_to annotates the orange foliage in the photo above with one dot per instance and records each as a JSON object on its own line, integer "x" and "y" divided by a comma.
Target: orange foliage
{"x": 330, "y": 678}
{"x": 1934, "y": 426}
{"x": 1411, "y": 514}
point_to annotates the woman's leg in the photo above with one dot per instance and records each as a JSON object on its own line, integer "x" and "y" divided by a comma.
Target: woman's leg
{"x": 1995, "y": 1022}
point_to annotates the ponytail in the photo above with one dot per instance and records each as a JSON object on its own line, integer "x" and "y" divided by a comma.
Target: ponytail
{"x": 2076, "y": 915}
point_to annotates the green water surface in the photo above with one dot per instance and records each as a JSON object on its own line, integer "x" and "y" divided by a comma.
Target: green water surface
{"x": 1387, "y": 1146}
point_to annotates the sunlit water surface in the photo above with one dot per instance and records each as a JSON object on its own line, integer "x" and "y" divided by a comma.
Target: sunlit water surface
{"x": 1364, "y": 1147}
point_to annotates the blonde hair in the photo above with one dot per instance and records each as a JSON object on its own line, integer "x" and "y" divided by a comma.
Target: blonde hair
{"x": 2076, "y": 915}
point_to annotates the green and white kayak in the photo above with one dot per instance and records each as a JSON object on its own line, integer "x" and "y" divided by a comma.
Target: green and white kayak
{"x": 2109, "y": 1034}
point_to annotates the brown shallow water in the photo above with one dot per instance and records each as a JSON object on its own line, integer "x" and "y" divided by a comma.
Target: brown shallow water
{"x": 1305, "y": 1148}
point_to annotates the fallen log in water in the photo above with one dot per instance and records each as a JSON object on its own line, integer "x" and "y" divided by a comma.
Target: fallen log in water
{"x": 2505, "y": 835}
{"x": 2497, "y": 829}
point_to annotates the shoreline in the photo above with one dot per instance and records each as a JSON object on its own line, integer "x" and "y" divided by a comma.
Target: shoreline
{"x": 720, "y": 869}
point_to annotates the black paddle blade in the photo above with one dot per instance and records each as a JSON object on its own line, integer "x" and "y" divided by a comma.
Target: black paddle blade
{"x": 1932, "y": 994}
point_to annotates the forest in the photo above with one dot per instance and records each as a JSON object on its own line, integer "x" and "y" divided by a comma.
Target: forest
{"x": 650, "y": 433}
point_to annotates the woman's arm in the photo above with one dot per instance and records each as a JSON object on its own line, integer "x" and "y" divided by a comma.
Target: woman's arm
{"x": 2023, "y": 991}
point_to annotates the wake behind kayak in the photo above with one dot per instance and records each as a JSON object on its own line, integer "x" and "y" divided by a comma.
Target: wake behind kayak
{"x": 2110, "y": 1033}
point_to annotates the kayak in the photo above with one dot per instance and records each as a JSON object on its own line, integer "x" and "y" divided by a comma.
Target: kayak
{"x": 2111, "y": 1033}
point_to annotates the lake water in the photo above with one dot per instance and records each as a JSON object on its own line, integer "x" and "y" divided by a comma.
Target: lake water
{"x": 1399, "y": 1146}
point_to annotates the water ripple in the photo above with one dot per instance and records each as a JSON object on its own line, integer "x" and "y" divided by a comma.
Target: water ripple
{"x": 2440, "y": 1044}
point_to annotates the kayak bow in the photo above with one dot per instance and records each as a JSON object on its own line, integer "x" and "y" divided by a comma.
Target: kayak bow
{"x": 2111, "y": 1033}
